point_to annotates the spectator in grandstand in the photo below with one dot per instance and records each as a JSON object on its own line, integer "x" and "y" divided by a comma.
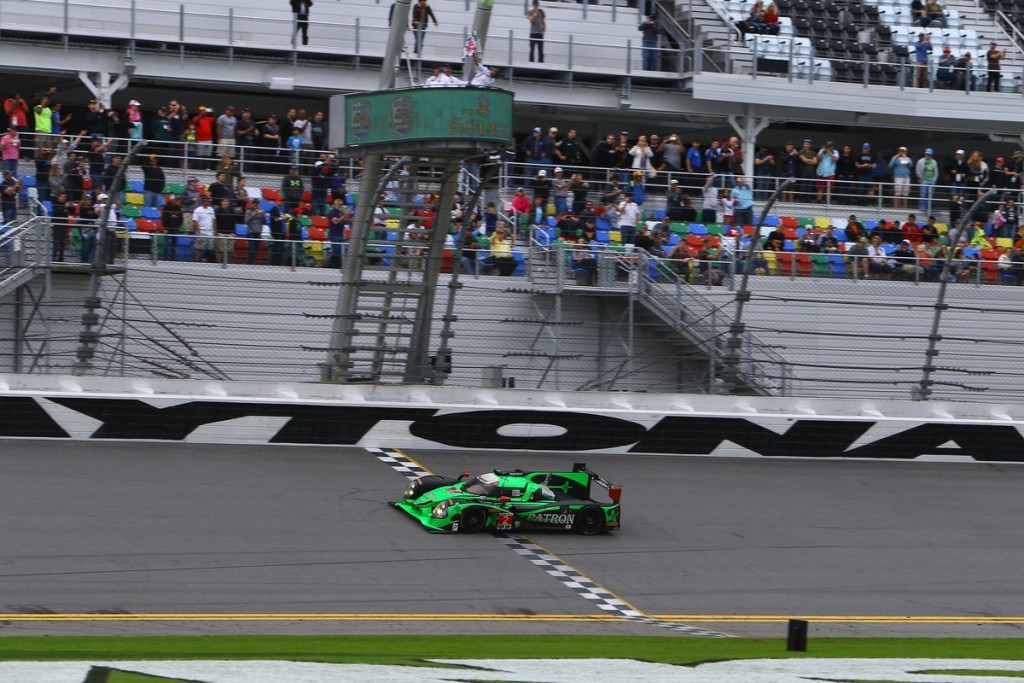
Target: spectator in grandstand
{"x": 977, "y": 174}
{"x": 956, "y": 170}
{"x": 484, "y": 77}
{"x": 538, "y": 150}
{"x": 569, "y": 150}
{"x": 994, "y": 56}
{"x": 826, "y": 242}
{"x": 771, "y": 19}
{"x": 728, "y": 207}
{"x": 933, "y": 10}
{"x": 708, "y": 272}
{"x": 73, "y": 172}
{"x": 421, "y": 17}
{"x": 226, "y": 126}
{"x": 901, "y": 167}
{"x": 964, "y": 77}
{"x": 560, "y": 191}
{"x": 204, "y": 123}
{"x": 680, "y": 260}
{"x": 877, "y": 259}
{"x": 927, "y": 172}
{"x": 245, "y": 136}
{"x": 269, "y": 138}
{"x": 629, "y": 218}
{"x": 255, "y": 220}
{"x": 904, "y": 261}
{"x": 945, "y": 76}
{"x": 754, "y": 22}
{"x": 649, "y": 32}
{"x": 826, "y": 172}
{"x": 855, "y": 229}
{"x": 648, "y": 241}
{"x": 579, "y": 189}
{"x": 225, "y": 219}
{"x": 674, "y": 200}
{"x": 153, "y": 182}
{"x": 437, "y": 78}
{"x": 10, "y": 187}
{"x": 963, "y": 266}
{"x": 171, "y": 218}
{"x": 929, "y": 231}
{"x": 17, "y": 111}
{"x": 911, "y": 230}
{"x": 808, "y": 164}
{"x": 221, "y": 187}
{"x": 922, "y": 52}
{"x": 846, "y": 177}
{"x": 1012, "y": 217}
{"x": 11, "y": 146}
{"x": 110, "y": 176}
{"x": 635, "y": 186}
{"x": 709, "y": 205}
{"x": 541, "y": 186}
{"x": 998, "y": 220}
{"x": 43, "y": 117}
{"x": 997, "y": 178}
{"x": 865, "y": 165}
{"x": 292, "y": 188}
{"x": 86, "y": 224}
{"x": 339, "y": 219}
{"x": 501, "y": 256}
{"x": 671, "y": 151}
{"x": 929, "y": 270}
{"x": 918, "y": 15}
{"x": 695, "y": 167}
{"x": 61, "y": 210}
{"x": 538, "y": 27}
{"x": 641, "y": 153}
{"x": 300, "y": 8}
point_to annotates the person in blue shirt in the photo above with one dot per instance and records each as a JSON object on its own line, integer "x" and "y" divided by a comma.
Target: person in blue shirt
{"x": 743, "y": 198}
{"x": 922, "y": 51}
{"x": 294, "y": 144}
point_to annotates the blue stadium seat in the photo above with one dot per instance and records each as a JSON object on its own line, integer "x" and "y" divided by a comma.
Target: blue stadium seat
{"x": 789, "y": 245}
{"x": 28, "y": 181}
{"x": 240, "y": 230}
{"x": 840, "y": 235}
{"x": 659, "y": 214}
{"x": 135, "y": 185}
{"x": 837, "y": 265}
{"x": 603, "y": 224}
{"x": 603, "y": 237}
{"x": 698, "y": 229}
{"x": 130, "y": 224}
{"x": 151, "y": 213}
{"x": 771, "y": 221}
{"x": 266, "y": 205}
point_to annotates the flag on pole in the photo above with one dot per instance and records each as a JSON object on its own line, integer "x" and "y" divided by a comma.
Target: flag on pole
{"x": 470, "y": 49}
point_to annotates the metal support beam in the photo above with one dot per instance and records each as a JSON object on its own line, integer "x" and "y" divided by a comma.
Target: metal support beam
{"x": 103, "y": 92}
{"x": 747, "y": 128}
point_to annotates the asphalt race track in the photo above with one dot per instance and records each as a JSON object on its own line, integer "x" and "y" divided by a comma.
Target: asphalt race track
{"x": 735, "y": 546}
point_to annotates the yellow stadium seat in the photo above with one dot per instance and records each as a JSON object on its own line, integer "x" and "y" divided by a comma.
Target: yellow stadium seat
{"x": 822, "y": 222}
{"x": 134, "y": 198}
{"x": 615, "y": 236}
{"x": 1004, "y": 242}
{"x": 769, "y": 258}
{"x": 941, "y": 228}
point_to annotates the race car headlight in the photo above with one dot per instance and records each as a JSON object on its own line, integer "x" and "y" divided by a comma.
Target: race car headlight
{"x": 409, "y": 490}
{"x": 440, "y": 510}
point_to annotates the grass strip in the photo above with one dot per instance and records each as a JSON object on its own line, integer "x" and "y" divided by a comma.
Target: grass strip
{"x": 411, "y": 650}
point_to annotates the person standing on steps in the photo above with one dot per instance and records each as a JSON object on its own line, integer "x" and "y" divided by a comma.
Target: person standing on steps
{"x": 421, "y": 16}
{"x": 300, "y": 8}
{"x": 538, "y": 27}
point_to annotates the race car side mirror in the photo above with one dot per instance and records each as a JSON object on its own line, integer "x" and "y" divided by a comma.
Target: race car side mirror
{"x": 463, "y": 476}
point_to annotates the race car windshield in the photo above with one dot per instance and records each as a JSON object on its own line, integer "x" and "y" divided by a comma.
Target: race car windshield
{"x": 481, "y": 486}
{"x": 546, "y": 493}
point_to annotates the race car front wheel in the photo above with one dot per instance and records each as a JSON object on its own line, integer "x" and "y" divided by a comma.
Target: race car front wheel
{"x": 472, "y": 520}
{"x": 589, "y": 521}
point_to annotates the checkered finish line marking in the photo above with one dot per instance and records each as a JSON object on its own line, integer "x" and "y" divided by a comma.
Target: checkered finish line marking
{"x": 568, "y": 576}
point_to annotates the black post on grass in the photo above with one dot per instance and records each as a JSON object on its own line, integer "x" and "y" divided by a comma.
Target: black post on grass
{"x": 796, "y": 640}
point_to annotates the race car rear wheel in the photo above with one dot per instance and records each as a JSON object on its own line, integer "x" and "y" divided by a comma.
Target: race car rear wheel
{"x": 472, "y": 520}
{"x": 589, "y": 521}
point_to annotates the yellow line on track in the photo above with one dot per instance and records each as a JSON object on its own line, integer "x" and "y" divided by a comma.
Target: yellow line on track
{"x": 682, "y": 618}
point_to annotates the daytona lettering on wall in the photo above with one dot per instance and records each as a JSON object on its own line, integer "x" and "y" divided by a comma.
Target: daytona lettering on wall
{"x": 65, "y": 417}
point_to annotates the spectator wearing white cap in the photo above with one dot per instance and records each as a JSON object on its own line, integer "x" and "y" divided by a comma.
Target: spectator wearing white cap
{"x": 537, "y": 149}
{"x": 956, "y": 169}
{"x": 560, "y": 192}
{"x": 927, "y": 172}
{"x": 540, "y": 184}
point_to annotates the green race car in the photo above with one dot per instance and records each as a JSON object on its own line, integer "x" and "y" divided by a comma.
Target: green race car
{"x": 513, "y": 501}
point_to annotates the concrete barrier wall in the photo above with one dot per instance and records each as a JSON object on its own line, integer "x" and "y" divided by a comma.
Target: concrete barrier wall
{"x": 73, "y": 408}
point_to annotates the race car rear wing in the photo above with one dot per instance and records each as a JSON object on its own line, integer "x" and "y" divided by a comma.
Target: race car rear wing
{"x": 614, "y": 490}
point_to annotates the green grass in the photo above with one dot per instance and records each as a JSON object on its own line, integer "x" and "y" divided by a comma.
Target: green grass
{"x": 415, "y": 649}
